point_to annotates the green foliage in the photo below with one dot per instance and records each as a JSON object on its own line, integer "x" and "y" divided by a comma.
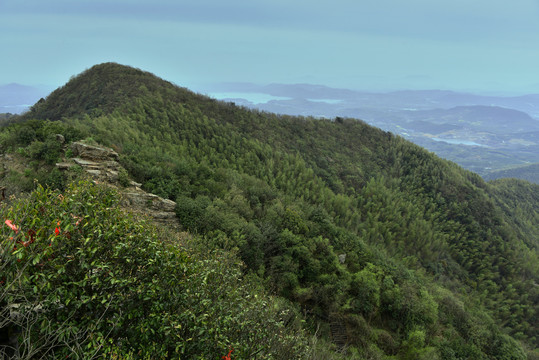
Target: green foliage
{"x": 293, "y": 196}
{"x": 366, "y": 290}
{"x": 24, "y": 132}
{"x": 108, "y": 286}
{"x": 414, "y": 347}
{"x": 48, "y": 150}
{"x": 191, "y": 212}
{"x": 123, "y": 178}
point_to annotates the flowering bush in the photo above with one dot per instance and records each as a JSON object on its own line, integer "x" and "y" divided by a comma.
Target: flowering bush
{"x": 89, "y": 281}
{"x": 227, "y": 356}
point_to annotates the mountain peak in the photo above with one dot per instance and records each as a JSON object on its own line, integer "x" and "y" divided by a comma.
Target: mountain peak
{"x": 100, "y": 89}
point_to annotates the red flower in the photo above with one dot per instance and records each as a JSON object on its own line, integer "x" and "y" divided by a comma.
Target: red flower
{"x": 11, "y": 226}
{"x": 227, "y": 357}
{"x": 57, "y": 229}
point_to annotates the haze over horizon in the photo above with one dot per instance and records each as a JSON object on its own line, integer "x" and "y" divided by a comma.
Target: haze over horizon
{"x": 481, "y": 46}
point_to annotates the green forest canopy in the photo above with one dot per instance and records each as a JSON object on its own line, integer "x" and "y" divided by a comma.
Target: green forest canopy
{"x": 410, "y": 254}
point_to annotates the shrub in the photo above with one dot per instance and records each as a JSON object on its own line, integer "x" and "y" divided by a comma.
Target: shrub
{"x": 89, "y": 281}
{"x": 123, "y": 178}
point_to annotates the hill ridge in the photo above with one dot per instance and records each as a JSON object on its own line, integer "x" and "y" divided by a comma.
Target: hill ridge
{"x": 100, "y": 163}
{"x": 430, "y": 251}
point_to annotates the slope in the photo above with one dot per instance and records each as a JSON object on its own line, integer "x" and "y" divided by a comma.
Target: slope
{"x": 81, "y": 278}
{"x": 412, "y": 254}
{"x": 527, "y": 172}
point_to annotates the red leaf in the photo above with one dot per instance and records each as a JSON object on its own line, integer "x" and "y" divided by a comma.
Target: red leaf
{"x": 11, "y": 226}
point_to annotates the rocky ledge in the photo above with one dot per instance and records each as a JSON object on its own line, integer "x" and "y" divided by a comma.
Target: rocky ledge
{"x": 101, "y": 163}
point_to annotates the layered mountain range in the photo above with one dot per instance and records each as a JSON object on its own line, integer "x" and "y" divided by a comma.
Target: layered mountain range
{"x": 481, "y": 133}
{"x": 384, "y": 249}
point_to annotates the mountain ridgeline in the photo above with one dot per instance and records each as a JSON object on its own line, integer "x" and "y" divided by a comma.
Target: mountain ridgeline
{"x": 387, "y": 250}
{"x": 527, "y": 172}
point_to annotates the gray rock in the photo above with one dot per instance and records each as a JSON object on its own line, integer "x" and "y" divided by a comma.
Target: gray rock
{"x": 162, "y": 215}
{"x": 151, "y": 201}
{"x": 101, "y": 163}
{"x": 64, "y": 165}
{"x": 84, "y": 162}
{"x": 92, "y": 152}
{"x": 112, "y": 176}
{"x": 94, "y": 172}
{"x": 113, "y": 165}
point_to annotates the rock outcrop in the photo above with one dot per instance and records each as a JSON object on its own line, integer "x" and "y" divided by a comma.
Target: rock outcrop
{"x": 93, "y": 152}
{"x": 101, "y": 163}
{"x": 162, "y": 210}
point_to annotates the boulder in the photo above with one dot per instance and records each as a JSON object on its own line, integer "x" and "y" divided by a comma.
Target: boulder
{"x": 150, "y": 201}
{"x": 163, "y": 215}
{"x": 161, "y": 210}
{"x": 64, "y": 165}
{"x": 101, "y": 164}
{"x": 84, "y": 162}
{"x": 94, "y": 172}
{"x": 93, "y": 152}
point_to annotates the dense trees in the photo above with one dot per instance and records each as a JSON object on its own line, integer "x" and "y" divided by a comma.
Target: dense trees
{"x": 87, "y": 282}
{"x": 412, "y": 255}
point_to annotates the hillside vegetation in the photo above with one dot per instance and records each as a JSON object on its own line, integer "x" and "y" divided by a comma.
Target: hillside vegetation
{"x": 387, "y": 250}
{"x": 527, "y": 172}
{"x": 81, "y": 279}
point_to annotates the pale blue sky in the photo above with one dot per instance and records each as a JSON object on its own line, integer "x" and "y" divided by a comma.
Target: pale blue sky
{"x": 471, "y": 45}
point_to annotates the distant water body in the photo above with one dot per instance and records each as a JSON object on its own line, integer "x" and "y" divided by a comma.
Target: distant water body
{"x": 14, "y": 109}
{"x": 327, "y": 101}
{"x": 458, "y": 142}
{"x": 255, "y": 98}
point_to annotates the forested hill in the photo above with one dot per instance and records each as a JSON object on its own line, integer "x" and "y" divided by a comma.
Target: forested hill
{"x": 405, "y": 254}
{"x": 527, "y": 172}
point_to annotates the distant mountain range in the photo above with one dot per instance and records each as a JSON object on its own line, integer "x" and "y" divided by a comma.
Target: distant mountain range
{"x": 17, "y": 98}
{"x": 480, "y": 133}
{"x": 400, "y": 100}
{"x": 388, "y": 251}
{"x": 526, "y": 172}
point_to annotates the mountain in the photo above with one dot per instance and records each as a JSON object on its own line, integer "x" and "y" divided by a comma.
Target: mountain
{"x": 17, "y": 98}
{"x": 528, "y": 172}
{"x": 386, "y": 249}
{"x": 480, "y": 118}
{"x": 484, "y": 133}
{"x": 396, "y": 100}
